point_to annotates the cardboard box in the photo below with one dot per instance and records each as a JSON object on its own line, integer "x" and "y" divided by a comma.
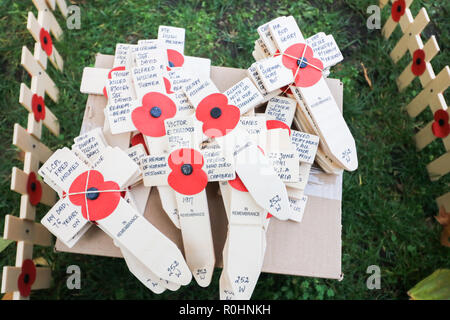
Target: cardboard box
{"x": 310, "y": 248}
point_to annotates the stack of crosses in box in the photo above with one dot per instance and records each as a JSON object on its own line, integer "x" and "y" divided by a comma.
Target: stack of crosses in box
{"x": 168, "y": 126}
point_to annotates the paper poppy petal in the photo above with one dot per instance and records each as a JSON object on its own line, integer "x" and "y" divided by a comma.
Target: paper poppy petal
{"x": 441, "y": 115}
{"x": 148, "y": 125}
{"x": 185, "y": 156}
{"x": 38, "y": 107}
{"x": 34, "y": 193}
{"x": 139, "y": 139}
{"x": 29, "y": 268}
{"x": 24, "y": 288}
{"x": 440, "y": 131}
{"x": 398, "y": 10}
{"x": 104, "y": 204}
{"x": 46, "y": 41}
{"x": 309, "y": 76}
{"x": 168, "y": 86}
{"x": 28, "y": 272}
{"x": 304, "y": 77}
{"x": 192, "y": 183}
{"x": 276, "y": 124}
{"x": 237, "y": 184}
{"x": 418, "y": 64}
{"x": 188, "y": 185}
{"x": 217, "y": 127}
{"x": 175, "y": 58}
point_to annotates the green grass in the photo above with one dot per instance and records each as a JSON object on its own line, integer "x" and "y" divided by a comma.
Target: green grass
{"x": 388, "y": 203}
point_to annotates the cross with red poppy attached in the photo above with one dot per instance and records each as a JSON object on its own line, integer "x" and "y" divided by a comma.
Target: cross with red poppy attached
{"x": 42, "y": 30}
{"x": 183, "y": 171}
{"x": 24, "y": 278}
{"x": 298, "y": 66}
{"x": 95, "y": 195}
{"x": 399, "y": 13}
{"x": 438, "y": 128}
{"x": 34, "y": 99}
{"x": 189, "y": 180}
{"x": 420, "y": 66}
{"x": 173, "y": 39}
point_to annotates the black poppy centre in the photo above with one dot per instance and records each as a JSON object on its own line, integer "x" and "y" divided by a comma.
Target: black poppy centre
{"x": 92, "y": 193}
{"x": 215, "y": 112}
{"x": 302, "y": 63}
{"x": 186, "y": 169}
{"x": 155, "y": 112}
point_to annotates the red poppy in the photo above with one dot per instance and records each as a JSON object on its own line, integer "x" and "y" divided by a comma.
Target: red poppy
{"x": 418, "y": 64}
{"x": 34, "y": 189}
{"x": 307, "y": 70}
{"x": 38, "y": 107}
{"x": 440, "y": 126}
{"x": 187, "y": 176}
{"x": 277, "y": 124}
{"x": 95, "y": 204}
{"x": 139, "y": 139}
{"x": 26, "y": 277}
{"x": 398, "y": 10}
{"x": 149, "y": 119}
{"x": 175, "y": 59}
{"x": 238, "y": 184}
{"x": 46, "y": 41}
{"x": 121, "y": 68}
{"x": 217, "y": 115}
{"x": 168, "y": 86}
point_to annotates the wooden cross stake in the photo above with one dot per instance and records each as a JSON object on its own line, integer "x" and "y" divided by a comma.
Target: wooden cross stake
{"x": 431, "y": 49}
{"x": 37, "y": 27}
{"x": 405, "y": 20}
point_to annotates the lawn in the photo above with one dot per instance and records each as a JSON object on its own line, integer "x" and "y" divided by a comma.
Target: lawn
{"x": 388, "y": 203}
